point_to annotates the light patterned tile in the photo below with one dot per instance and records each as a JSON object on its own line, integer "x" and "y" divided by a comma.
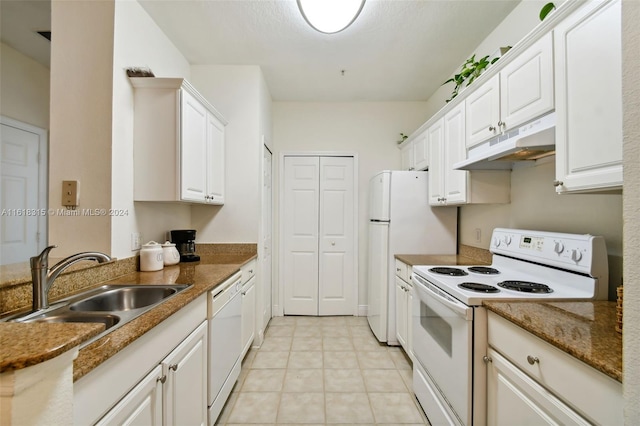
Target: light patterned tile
{"x": 283, "y": 330}
{"x": 278, "y": 344}
{"x": 362, "y": 331}
{"x": 334, "y": 321}
{"x": 303, "y": 380}
{"x": 357, "y": 321}
{"x": 306, "y": 359}
{"x": 375, "y": 360}
{"x": 343, "y": 380}
{"x": 368, "y": 344}
{"x": 307, "y": 331}
{"x": 401, "y": 360}
{"x": 394, "y": 408}
{"x": 255, "y": 407}
{"x": 278, "y": 321}
{"x": 407, "y": 377}
{"x": 270, "y": 380}
{"x": 337, "y": 344}
{"x": 335, "y": 331}
{"x": 308, "y": 321}
{"x": 348, "y": 408}
{"x": 307, "y": 344}
{"x": 268, "y": 359}
{"x": 383, "y": 381}
{"x": 334, "y": 359}
{"x": 301, "y": 408}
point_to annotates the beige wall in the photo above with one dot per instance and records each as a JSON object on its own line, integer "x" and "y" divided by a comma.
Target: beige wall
{"x": 368, "y": 129}
{"x": 24, "y": 85}
{"x": 631, "y": 127}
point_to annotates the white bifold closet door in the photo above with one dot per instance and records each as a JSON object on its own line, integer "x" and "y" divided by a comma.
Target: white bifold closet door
{"x": 319, "y": 232}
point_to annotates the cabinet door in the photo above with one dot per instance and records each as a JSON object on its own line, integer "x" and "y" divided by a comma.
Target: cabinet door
{"x": 141, "y": 406}
{"x": 513, "y": 398}
{"x": 455, "y": 181}
{"x": 215, "y": 160}
{"x": 483, "y": 112}
{"x": 526, "y": 85}
{"x": 185, "y": 390}
{"x": 407, "y": 157}
{"x": 401, "y": 312}
{"x": 248, "y": 315}
{"x": 421, "y": 152}
{"x": 193, "y": 149}
{"x": 589, "y": 100}
{"x": 437, "y": 170}
{"x": 409, "y": 348}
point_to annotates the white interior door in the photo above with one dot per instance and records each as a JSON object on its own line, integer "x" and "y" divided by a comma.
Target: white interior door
{"x": 22, "y": 191}
{"x": 300, "y": 219}
{"x": 319, "y": 236}
{"x": 336, "y": 263}
{"x": 267, "y": 234}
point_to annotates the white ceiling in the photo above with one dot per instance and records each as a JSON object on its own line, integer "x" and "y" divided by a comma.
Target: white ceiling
{"x": 397, "y": 50}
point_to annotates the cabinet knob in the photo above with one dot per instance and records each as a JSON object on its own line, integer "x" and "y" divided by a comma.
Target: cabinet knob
{"x": 487, "y": 359}
{"x": 173, "y": 367}
{"x": 492, "y": 129}
{"x": 557, "y": 183}
{"x": 161, "y": 379}
{"x": 532, "y": 359}
{"x": 501, "y": 123}
{"x": 251, "y": 271}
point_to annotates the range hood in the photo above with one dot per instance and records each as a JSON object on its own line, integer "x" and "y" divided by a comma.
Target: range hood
{"x": 534, "y": 140}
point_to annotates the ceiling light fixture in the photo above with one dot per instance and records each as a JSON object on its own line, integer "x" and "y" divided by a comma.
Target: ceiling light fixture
{"x": 330, "y": 16}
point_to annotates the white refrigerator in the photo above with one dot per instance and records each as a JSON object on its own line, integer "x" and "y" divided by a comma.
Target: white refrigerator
{"x": 401, "y": 221}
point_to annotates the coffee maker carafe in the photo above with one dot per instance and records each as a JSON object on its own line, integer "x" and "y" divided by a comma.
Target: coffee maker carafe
{"x": 185, "y": 241}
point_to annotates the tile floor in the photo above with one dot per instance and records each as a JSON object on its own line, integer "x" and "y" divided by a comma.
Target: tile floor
{"x": 323, "y": 370}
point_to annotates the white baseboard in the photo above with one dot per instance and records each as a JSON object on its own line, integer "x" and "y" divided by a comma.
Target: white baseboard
{"x": 363, "y": 310}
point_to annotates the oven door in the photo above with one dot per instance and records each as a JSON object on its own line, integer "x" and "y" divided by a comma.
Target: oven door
{"x": 443, "y": 344}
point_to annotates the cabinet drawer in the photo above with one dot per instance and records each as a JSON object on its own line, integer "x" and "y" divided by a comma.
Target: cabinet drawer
{"x": 403, "y": 270}
{"x": 591, "y": 393}
{"x": 248, "y": 271}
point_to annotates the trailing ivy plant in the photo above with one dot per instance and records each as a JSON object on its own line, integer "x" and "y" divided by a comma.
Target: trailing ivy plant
{"x": 546, "y": 9}
{"x": 470, "y": 70}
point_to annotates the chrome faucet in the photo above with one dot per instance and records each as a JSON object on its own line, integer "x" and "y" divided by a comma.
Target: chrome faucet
{"x": 43, "y": 277}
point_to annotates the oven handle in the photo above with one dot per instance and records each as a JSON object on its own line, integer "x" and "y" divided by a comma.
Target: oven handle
{"x": 443, "y": 298}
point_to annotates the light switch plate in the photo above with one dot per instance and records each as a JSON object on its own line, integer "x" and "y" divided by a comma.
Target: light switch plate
{"x": 136, "y": 241}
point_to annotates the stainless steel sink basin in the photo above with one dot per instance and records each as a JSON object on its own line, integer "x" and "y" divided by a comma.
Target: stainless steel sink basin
{"x": 124, "y": 298}
{"x": 112, "y": 305}
{"x": 108, "y": 320}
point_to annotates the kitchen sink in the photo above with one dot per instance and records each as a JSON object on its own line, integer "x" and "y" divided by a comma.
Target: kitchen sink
{"x": 124, "y": 298}
{"x": 112, "y": 305}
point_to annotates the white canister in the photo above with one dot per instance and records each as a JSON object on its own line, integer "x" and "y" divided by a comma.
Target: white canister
{"x": 171, "y": 255}
{"x": 151, "y": 257}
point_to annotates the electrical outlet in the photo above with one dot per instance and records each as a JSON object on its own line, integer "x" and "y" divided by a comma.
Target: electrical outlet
{"x": 478, "y": 235}
{"x": 136, "y": 241}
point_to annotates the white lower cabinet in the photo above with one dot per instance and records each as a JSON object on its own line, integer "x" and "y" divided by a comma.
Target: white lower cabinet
{"x": 403, "y": 306}
{"x": 248, "y": 315}
{"x": 589, "y": 103}
{"x": 530, "y": 382}
{"x": 141, "y": 406}
{"x": 159, "y": 379}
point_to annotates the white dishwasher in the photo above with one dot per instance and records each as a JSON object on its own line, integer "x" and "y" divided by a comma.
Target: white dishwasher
{"x": 224, "y": 312}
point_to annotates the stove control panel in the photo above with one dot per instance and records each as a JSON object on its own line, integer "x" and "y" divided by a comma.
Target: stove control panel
{"x": 577, "y": 252}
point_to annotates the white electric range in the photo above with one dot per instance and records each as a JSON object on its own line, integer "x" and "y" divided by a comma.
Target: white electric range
{"x": 449, "y": 322}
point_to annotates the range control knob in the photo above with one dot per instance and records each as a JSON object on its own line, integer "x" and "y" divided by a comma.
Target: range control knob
{"x": 558, "y": 247}
{"x": 506, "y": 240}
{"x": 496, "y": 241}
{"x": 576, "y": 255}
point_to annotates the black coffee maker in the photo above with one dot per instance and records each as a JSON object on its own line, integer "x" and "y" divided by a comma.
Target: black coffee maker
{"x": 185, "y": 241}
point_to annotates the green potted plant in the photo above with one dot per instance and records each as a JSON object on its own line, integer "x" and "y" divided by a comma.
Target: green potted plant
{"x": 469, "y": 71}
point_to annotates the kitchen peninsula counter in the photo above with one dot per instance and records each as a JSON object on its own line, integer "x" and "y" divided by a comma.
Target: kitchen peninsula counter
{"x": 583, "y": 329}
{"x": 211, "y": 271}
{"x": 437, "y": 259}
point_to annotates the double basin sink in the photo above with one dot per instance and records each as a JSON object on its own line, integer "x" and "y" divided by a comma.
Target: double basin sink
{"x": 112, "y": 305}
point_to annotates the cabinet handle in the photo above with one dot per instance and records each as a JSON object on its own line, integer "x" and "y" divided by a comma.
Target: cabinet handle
{"x": 251, "y": 271}
{"x": 557, "y": 183}
{"x": 532, "y": 359}
{"x": 487, "y": 359}
{"x": 244, "y": 293}
{"x": 397, "y": 269}
{"x": 173, "y": 367}
{"x": 161, "y": 379}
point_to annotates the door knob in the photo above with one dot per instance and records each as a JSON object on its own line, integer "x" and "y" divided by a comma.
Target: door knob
{"x": 333, "y": 243}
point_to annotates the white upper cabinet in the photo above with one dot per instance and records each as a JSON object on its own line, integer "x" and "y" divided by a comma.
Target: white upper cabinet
{"x": 453, "y": 187}
{"x": 178, "y": 143}
{"x": 520, "y": 92}
{"x": 414, "y": 153}
{"x": 588, "y": 77}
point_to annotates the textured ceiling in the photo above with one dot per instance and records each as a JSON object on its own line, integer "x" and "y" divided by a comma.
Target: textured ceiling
{"x": 397, "y": 50}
